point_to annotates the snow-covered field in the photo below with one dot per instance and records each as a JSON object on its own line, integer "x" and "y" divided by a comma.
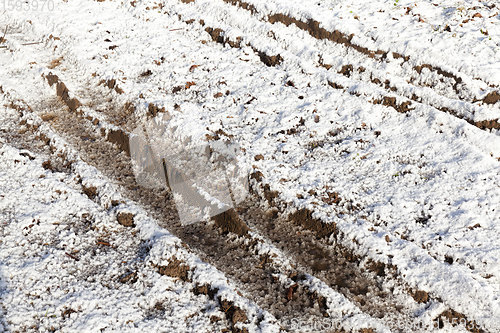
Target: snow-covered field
{"x": 369, "y": 133}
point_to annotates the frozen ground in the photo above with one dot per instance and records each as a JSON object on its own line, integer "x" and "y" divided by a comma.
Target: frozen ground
{"x": 380, "y": 118}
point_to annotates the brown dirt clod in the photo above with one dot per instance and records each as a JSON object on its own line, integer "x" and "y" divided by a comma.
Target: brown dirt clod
{"x": 120, "y": 138}
{"x": 48, "y": 116}
{"x": 346, "y": 70}
{"x": 376, "y": 267}
{"x": 51, "y": 79}
{"x": 457, "y": 318}
{"x": 154, "y": 110}
{"x": 367, "y": 330}
{"x": 125, "y": 219}
{"x": 47, "y": 165}
{"x": 66, "y": 313}
{"x": 492, "y": 98}
{"x": 335, "y": 85}
{"x": 440, "y": 71}
{"x": 73, "y": 104}
{"x": 270, "y": 195}
{"x": 218, "y": 36}
{"x": 62, "y": 92}
{"x": 270, "y": 61}
{"x": 303, "y": 217}
{"x": 233, "y": 313}
{"x": 419, "y": 296}
{"x": 332, "y": 198}
{"x": 391, "y": 101}
{"x": 314, "y": 29}
{"x": 257, "y": 175}
{"x": 128, "y": 277}
{"x": 205, "y": 289}
{"x": 488, "y": 124}
{"x": 175, "y": 268}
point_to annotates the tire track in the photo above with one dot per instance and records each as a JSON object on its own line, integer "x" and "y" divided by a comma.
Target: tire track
{"x": 345, "y": 274}
{"x": 366, "y": 283}
{"x": 270, "y": 285}
{"x": 119, "y": 136}
{"x": 388, "y": 102}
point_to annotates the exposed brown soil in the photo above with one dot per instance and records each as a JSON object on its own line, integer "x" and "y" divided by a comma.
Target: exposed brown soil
{"x": 335, "y": 85}
{"x": 205, "y": 290}
{"x": 346, "y": 70}
{"x": 90, "y": 191}
{"x": 442, "y": 72}
{"x": 457, "y": 318}
{"x": 257, "y": 175}
{"x": 492, "y": 98}
{"x": 314, "y": 29}
{"x": 336, "y": 265}
{"x": 270, "y": 60}
{"x": 129, "y": 277}
{"x": 125, "y": 219}
{"x": 111, "y": 84}
{"x": 154, "y": 110}
{"x": 404, "y": 107}
{"x": 488, "y": 124}
{"x": 51, "y": 79}
{"x": 304, "y": 218}
{"x": 391, "y": 101}
{"x": 269, "y": 195}
{"x": 420, "y": 296}
{"x": 245, "y": 5}
{"x": 47, "y": 165}
{"x": 234, "y": 314}
{"x": 175, "y": 268}
{"x": 63, "y": 92}
{"x": 218, "y": 36}
{"x": 120, "y": 138}
{"x": 233, "y": 257}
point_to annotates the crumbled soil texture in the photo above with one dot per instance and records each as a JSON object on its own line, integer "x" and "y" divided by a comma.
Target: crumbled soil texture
{"x": 391, "y": 101}
{"x": 120, "y": 138}
{"x": 420, "y": 296}
{"x": 218, "y": 36}
{"x": 229, "y": 221}
{"x": 303, "y": 217}
{"x": 488, "y": 124}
